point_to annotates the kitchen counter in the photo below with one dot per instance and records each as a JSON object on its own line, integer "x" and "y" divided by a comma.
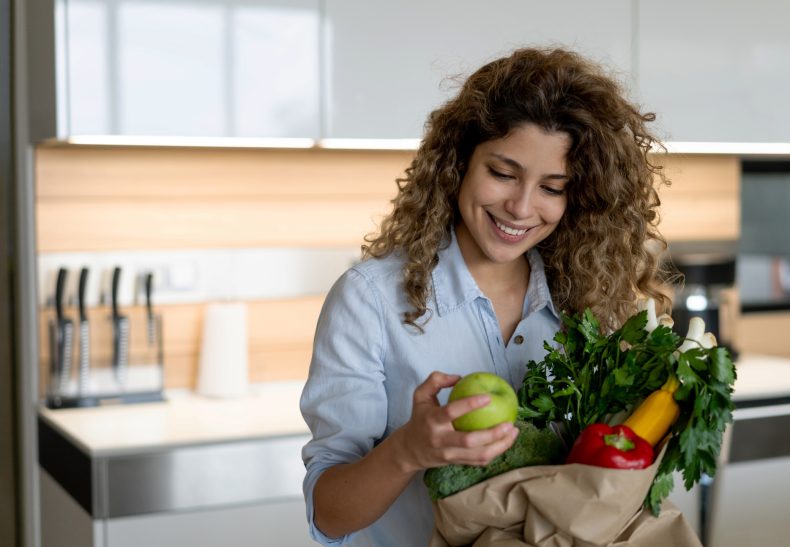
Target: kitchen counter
{"x": 183, "y": 419}
{"x": 761, "y": 377}
{"x": 272, "y": 409}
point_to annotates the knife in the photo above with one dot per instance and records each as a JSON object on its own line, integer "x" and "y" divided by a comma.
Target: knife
{"x": 149, "y": 281}
{"x": 120, "y": 330}
{"x": 84, "y": 364}
{"x": 64, "y": 332}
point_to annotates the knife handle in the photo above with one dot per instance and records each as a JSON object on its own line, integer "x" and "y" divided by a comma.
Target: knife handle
{"x": 116, "y": 280}
{"x": 149, "y": 282}
{"x": 60, "y": 287}
{"x": 81, "y": 293}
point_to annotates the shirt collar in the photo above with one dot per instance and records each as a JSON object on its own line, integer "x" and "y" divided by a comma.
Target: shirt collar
{"x": 454, "y": 286}
{"x": 538, "y": 293}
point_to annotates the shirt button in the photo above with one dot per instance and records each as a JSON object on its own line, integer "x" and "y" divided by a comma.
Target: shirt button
{"x": 519, "y": 339}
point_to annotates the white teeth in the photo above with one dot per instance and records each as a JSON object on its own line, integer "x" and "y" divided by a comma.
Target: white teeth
{"x": 509, "y": 230}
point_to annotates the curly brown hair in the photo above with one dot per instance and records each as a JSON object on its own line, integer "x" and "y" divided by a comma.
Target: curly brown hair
{"x": 598, "y": 256}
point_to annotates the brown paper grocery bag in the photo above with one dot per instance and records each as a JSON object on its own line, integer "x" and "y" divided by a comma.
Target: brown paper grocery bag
{"x": 560, "y": 506}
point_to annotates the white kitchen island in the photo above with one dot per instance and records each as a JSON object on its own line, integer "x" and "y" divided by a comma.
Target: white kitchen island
{"x": 750, "y": 494}
{"x": 188, "y": 471}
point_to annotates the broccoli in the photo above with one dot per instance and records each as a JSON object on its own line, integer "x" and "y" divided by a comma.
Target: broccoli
{"x": 533, "y": 446}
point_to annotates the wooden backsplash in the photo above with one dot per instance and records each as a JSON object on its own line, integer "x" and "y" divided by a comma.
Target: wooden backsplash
{"x": 101, "y": 199}
{"x": 113, "y": 198}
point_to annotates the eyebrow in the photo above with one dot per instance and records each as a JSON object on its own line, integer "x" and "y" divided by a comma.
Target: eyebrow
{"x": 516, "y": 165}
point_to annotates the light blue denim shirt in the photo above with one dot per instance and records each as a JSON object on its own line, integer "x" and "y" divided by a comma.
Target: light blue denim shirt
{"x": 366, "y": 364}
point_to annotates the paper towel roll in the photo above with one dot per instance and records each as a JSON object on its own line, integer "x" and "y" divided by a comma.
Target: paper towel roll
{"x": 223, "y": 370}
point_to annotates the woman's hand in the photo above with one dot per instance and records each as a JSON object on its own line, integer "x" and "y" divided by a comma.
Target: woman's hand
{"x": 428, "y": 439}
{"x": 348, "y": 497}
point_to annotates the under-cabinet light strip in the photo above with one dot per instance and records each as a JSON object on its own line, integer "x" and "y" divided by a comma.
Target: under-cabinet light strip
{"x": 369, "y": 144}
{"x": 197, "y": 142}
{"x": 733, "y": 148}
{"x": 672, "y": 147}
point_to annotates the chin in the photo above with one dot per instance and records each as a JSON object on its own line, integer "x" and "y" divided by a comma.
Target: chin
{"x": 503, "y": 256}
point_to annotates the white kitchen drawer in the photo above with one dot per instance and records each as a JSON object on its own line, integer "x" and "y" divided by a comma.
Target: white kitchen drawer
{"x": 281, "y": 524}
{"x": 752, "y": 504}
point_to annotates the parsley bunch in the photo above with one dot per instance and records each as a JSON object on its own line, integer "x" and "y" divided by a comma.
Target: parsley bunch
{"x": 590, "y": 377}
{"x": 705, "y": 396}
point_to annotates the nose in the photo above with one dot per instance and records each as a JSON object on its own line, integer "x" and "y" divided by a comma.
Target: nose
{"x": 521, "y": 203}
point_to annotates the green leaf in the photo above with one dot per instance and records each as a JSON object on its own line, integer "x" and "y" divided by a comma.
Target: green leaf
{"x": 569, "y": 390}
{"x": 684, "y": 392}
{"x": 560, "y": 338}
{"x": 526, "y": 413}
{"x": 684, "y": 372}
{"x": 721, "y": 366}
{"x": 695, "y": 358}
{"x": 544, "y": 403}
{"x": 589, "y": 327}
{"x": 633, "y": 330}
{"x": 664, "y": 337}
{"x": 622, "y": 377}
{"x": 662, "y": 487}
{"x": 688, "y": 444}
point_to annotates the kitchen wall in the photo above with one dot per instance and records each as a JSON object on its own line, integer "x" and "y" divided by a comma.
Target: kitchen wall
{"x": 109, "y": 200}
{"x": 99, "y": 203}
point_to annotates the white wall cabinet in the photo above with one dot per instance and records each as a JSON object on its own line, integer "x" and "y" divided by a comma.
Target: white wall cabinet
{"x": 716, "y": 71}
{"x": 208, "y": 68}
{"x": 388, "y": 64}
{"x": 712, "y": 70}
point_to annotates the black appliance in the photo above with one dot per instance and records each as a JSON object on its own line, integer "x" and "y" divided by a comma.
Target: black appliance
{"x": 701, "y": 293}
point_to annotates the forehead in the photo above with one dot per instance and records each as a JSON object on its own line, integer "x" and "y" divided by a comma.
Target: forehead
{"x": 529, "y": 145}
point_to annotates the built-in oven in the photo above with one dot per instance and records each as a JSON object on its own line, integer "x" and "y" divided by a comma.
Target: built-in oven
{"x": 763, "y": 268}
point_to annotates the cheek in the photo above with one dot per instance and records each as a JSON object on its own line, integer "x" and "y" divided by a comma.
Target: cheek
{"x": 473, "y": 194}
{"x": 556, "y": 212}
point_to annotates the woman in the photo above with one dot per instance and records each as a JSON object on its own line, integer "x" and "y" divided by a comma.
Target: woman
{"x": 530, "y": 193}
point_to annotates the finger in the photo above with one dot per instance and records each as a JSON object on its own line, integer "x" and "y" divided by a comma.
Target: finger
{"x": 482, "y": 455}
{"x": 459, "y": 407}
{"x": 484, "y": 437}
{"x": 437, "y": 381}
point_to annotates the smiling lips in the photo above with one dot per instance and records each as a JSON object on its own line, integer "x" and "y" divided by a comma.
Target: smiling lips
{"x": 513, "y": 234}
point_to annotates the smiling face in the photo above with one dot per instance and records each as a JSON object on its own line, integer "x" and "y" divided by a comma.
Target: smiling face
{"x": 513, "y": 195}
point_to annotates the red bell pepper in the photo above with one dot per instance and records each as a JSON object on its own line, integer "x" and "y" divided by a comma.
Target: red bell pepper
{"x": 616, "y": 446}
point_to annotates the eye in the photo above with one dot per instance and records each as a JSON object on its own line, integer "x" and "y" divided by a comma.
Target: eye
{"x": 553, "y": 191}
{"x": 500, "y": 175}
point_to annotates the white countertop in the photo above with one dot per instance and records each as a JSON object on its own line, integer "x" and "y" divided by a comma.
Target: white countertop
{"x": 272, "y": 409}
{"x": 761, "y": 377}
{"x": 183, "y": 419}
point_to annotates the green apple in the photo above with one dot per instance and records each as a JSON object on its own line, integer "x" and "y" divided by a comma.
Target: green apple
{"x": 502, "y": 408}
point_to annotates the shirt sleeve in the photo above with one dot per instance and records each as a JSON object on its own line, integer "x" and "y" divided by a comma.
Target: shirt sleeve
{"x": 344, "y": 402}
